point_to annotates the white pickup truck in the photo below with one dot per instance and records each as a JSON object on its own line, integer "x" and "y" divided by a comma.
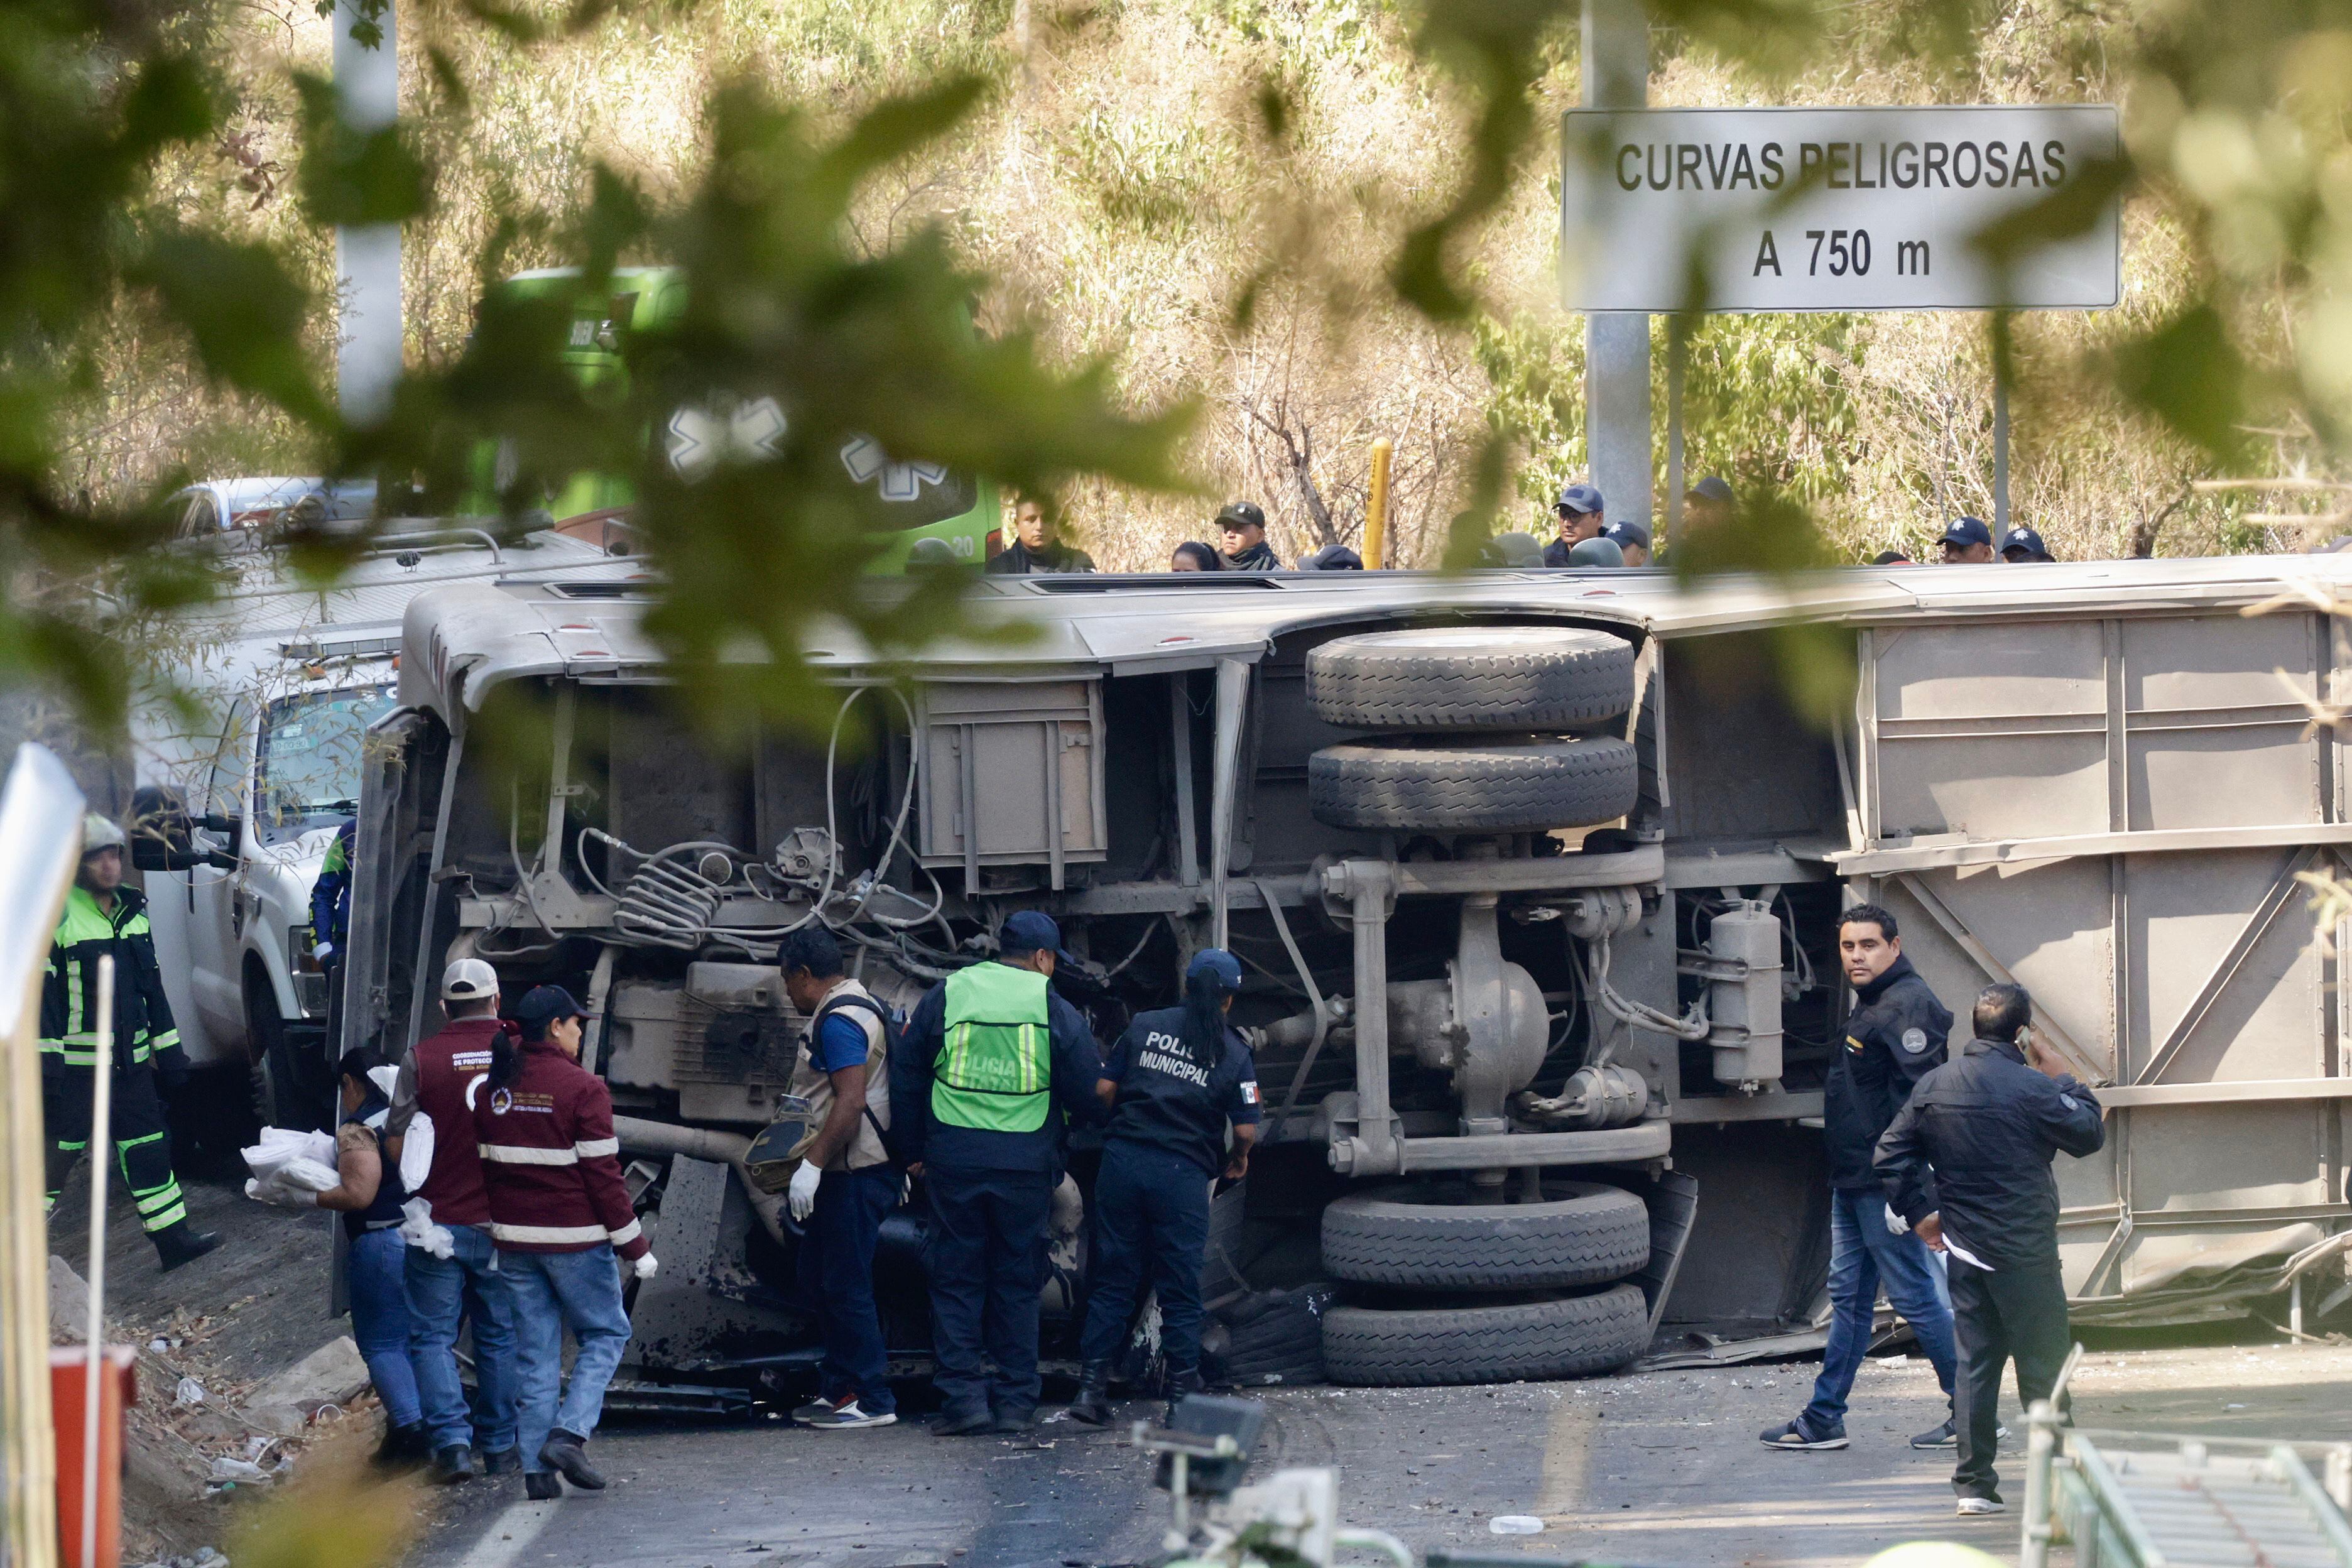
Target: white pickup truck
{"x": 244, "y": 782}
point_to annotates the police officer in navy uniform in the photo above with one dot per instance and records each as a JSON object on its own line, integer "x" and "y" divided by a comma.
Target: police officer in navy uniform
{"x": 1173, "y": 1082}
{"x": 1988, "y": 1125}
{"x": 1895, "y": 1038}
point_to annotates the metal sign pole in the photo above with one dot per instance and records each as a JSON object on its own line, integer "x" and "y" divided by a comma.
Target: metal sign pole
{"x": 367, "y": 258}
{"x": 1617, "y": 343}
{"x": 1678, "y": 353}
{"x": 1999, "y": 438}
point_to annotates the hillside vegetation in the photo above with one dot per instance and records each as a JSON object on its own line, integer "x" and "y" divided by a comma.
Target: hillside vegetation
{"x": 1212, "y": 190}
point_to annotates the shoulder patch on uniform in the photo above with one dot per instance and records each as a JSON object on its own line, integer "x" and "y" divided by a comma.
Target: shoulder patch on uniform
{"x": 1249, "y": 1092}
{"x": 1914, "y": 1041}
{"x": 2070, "y": 1102}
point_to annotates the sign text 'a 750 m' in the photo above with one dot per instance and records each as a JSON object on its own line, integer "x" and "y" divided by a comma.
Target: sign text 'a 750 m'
{"x": 1830, "y": 209}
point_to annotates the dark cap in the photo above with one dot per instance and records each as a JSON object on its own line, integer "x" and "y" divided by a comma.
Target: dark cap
{"x": 1628, "y": 533}
{"x": 1711, "y": 489}
{"x": 1333, "y": 558}
{"x": 1240, "y": 515}
{"x": 1968, "y": 530}
{"x": 1214, "y": 965}
{"x": 2025, "y": 539}
{"x": 1891, "y": 558}
{"x": 1582, "y": 500}
{"x": 541, "y": 1005}
{"x": 1029, "y": 930}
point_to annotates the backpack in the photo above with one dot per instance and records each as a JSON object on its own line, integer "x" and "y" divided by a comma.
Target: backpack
{"x": 899, "y": 1140}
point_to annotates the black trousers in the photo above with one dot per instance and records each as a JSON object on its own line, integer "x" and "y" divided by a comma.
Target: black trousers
{"x": 142, "y": 1143}
{"x": 986, "y": 1259}
{"x": 2012, "y": 1314}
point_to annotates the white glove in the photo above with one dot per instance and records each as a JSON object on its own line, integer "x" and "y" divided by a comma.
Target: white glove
{"x": 418, "y": 1229}
{"x": 324, "y": 952}
{"x": 1895, "y": 1224}
{"x": 646, "y": 1265}
{"x": 804, "y": 1189}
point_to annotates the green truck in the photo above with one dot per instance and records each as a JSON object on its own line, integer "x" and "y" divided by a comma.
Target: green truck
{"x": 913, "y": 500}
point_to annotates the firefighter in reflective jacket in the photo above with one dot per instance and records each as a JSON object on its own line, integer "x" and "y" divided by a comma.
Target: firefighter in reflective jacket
{"x": 104, "y": 918}
{"x": 998, "y": 1062}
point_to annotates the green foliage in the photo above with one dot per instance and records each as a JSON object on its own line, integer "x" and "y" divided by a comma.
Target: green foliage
{"x": 778, "y": 306}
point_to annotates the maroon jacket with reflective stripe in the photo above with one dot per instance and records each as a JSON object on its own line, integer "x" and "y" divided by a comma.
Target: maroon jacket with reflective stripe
{"x": 552, "y": 1160}
{"x": 448, "y": 1066}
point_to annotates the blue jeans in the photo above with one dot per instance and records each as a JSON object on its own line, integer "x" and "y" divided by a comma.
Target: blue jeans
{"x": 441, "y": 1292}
{"x": 986, "y": 1259}
{"x": 836, "y": 1273}
{"x": 380, "y": 1322}
{"x": 1865, "y": 1254}
{"x": 554, "y": 1292}
{"x": 1152, "y": 1212}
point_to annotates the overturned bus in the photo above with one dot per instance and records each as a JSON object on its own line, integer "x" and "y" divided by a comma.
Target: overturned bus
{"x": 1536, "y": 877}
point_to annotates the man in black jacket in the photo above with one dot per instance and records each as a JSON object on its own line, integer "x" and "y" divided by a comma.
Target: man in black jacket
{"x": 1989, "y": 1124}
{"x": 1894, "y": 1038}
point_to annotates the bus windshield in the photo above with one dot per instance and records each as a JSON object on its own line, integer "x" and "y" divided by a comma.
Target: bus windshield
{"x": 312, "y": 746}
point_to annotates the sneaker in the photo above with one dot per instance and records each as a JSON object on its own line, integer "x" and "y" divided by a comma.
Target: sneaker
{"x": 1971, "y": 1505}
{"x": 848, "y": 1415}
{"x": 1947, "y": 1436}
{"x": 1795, "y": 1435}
{"x": 541, "y": 1485}
{"x": 808, "y": 1415}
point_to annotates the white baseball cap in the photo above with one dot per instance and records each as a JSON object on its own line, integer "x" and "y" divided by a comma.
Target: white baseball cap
{"x": 468, "y": 980}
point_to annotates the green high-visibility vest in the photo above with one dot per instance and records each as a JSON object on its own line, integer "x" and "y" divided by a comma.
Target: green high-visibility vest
{"x": 995, "y": 1070}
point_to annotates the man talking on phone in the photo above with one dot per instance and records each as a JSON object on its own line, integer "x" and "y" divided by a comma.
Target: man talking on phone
{"x": 1987, "y": 1123}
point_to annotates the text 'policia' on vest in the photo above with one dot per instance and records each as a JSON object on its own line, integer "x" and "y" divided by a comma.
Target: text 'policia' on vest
{"x": 996, "y": 1070}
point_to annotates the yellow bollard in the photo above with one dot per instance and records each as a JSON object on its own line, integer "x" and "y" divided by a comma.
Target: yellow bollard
{"x": 1376, "y": 507}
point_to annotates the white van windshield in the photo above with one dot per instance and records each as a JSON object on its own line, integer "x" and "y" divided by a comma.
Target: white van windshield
{"x": 311, "y": 748}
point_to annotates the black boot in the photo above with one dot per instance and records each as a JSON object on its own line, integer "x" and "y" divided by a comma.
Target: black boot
{"x": 541, "y": 1485}
{"x": 181, "y": 1242}
{"x": 502, "y": 1462}
{"x": 1181, "y": 1383}
{"x": 452, "y": 1465}
{"x": 567, "y": 1452}
{"x": 1093, "y": 1403}
{"x": 404, "y": 1447}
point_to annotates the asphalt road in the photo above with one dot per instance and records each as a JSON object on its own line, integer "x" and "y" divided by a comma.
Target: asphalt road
{"x": 1661, "y": 1468}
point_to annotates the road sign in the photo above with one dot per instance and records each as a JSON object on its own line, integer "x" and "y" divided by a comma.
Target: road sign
{"x": 1829, "y": 209}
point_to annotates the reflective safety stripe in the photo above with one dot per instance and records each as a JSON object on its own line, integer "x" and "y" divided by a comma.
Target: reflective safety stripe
{"x": 627, "y": 1234}
{"x": 592, "y": 1147}
{"x": 515, "y": 1154}
{"x": 530, "y": 1234}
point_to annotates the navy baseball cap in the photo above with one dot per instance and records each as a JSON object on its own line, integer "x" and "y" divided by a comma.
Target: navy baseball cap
{"x": 1968, "y": 530}
{"x": 1628, "y": 532}
{"x": 541, "y": 1005}
{"x": 1216, "y": 965}
{"x": 1333, "y": 558}
{"x": 1029, "y": 930}
{"x": 2025, "y": 539}
{"x": 1711, "y": 489}
{"x": 1583, "y": 499}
